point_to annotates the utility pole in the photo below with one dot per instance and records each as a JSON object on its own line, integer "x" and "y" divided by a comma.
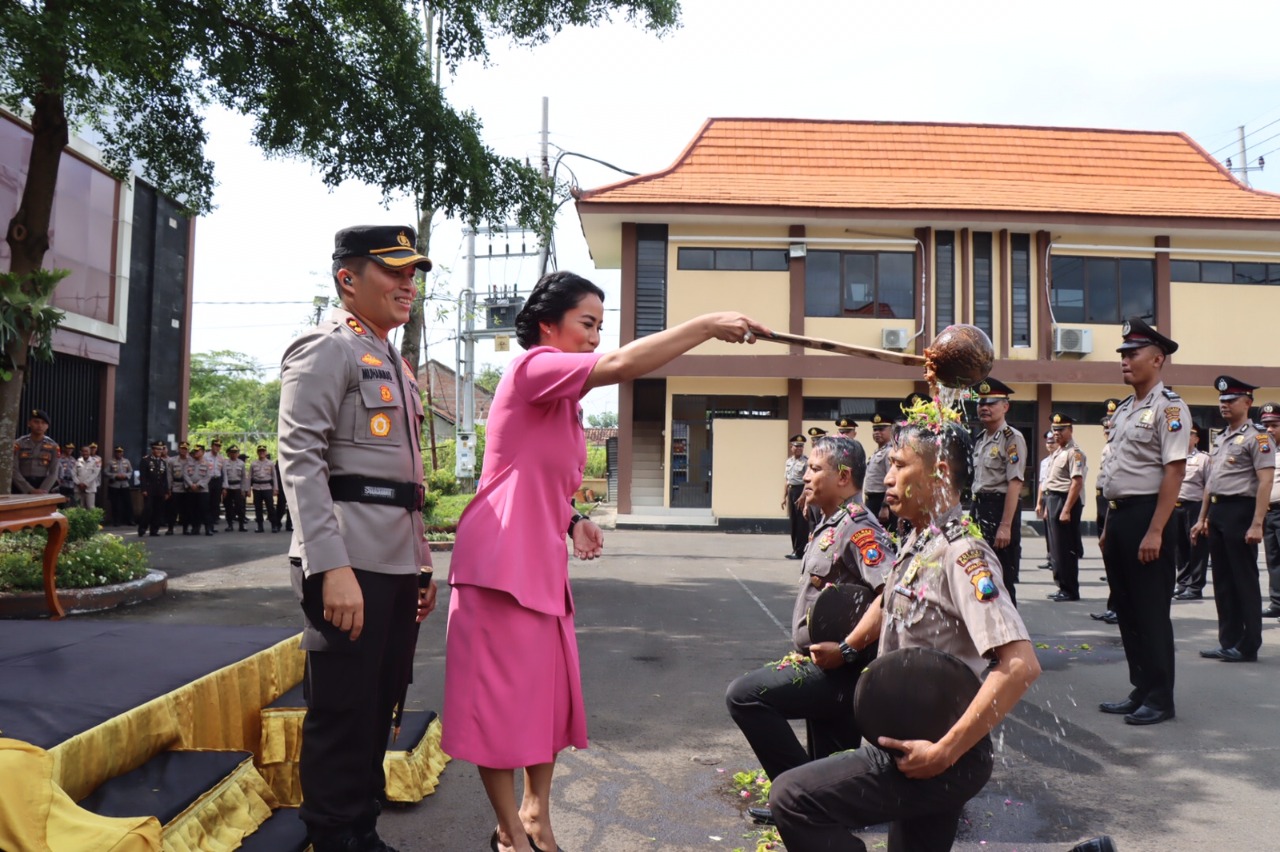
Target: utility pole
{"x": 465, "y": 378}
{"x": 545, "y": 252}
{"x": 1244, "y": 159}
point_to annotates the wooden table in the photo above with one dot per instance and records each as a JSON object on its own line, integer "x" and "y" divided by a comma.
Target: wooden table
{"x": 21, "y": 511}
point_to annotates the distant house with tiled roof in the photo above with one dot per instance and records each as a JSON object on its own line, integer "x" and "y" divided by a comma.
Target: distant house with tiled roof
{"x": 881, "y": 234}
{"x": 442, "y": 380}
{"x": 598, "y": 435}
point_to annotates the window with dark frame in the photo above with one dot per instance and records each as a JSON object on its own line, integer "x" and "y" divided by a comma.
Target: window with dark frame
{"x": 1020, "y": 298}
{"x": 1223, "y": 272}
{"x": 1101, "y": 289}
{"x": 877, "y": 284}
{"x": 944, "y": 280}
{"x": 983, "y": 312}
{"x": 732, "y": 259}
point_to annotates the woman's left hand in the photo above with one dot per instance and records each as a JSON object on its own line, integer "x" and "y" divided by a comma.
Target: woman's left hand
{"x": 426, "y": 601}
{"x": 588, "y": 539}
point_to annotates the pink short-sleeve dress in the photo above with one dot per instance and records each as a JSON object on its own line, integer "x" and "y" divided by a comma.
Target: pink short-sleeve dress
{"x": 513, "y": 693}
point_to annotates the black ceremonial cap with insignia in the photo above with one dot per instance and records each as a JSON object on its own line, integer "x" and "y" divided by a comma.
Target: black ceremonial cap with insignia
{"x": 796, "y": 441}
{"x": 880, "y": 420}
{"x": 816, "y": 432}
{"x": 157, "y": 444}
{"x": 991, "y": 390}
{"x": 1112, "y": 404}
{"x": 391, "y": 246}
{"x": 1062, "y": 420}
{"x": 262, "y": 447}
{"x": 846, "y": 422}
{"x": 1138, "y": 334}
{"x": 38, "y": 414}
{"x": 1231, "y": 388}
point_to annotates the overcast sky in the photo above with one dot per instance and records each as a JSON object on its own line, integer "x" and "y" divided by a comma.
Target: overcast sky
{"x": 636, "y": 101}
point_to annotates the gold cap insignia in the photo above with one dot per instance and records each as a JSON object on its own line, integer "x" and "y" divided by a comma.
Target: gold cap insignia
{"x": 403, "y": 240}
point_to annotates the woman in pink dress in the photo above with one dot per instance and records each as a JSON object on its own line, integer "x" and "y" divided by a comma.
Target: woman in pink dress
{"x": 513, "y": 694}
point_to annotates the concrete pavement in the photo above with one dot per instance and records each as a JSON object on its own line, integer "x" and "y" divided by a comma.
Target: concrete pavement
{"x": 666, "y": 620}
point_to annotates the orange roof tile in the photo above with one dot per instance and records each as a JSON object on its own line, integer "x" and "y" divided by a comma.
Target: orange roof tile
{"x": 909, "y": 166}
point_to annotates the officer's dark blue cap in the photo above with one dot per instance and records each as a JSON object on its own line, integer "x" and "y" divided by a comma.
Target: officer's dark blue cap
{"x": 1230, "y": 388}
{"x": 391, "y": 246}
{"x": 816, "y": 432}
{"x": 796, "y": 441}
{"x": 846, "y": 422}
{"x": 880, "y": 420}
{"x": 1138, "y": 334}
{"x": 157, "y": 443}
{"x": 38, "y": 414}
{"x": 1062, "y": 420}
{"x": 991, "y": 390}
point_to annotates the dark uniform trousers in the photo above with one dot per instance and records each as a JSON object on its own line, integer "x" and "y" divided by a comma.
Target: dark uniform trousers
{"x": 1140, "y": 594}
{"x": 1100, "y": 506}
{"x": 799, "y": 523}
{"x": 344, "y": 732}
{"x": 234, "y": 504}
{"x": 196, "y": 511}
{"x": 214, "y": 504}
{"x": 818, "y": 804}
{"x": 1271, "y": 544}
{"x": 121, "y": 500}
{"x": 262, "y": 498}
{"x": 153, "y": 510}
{"x": 763, "y": 701}
{"x": 1064, "y": 541}
{"x": 1190, "y": 560}
{"x": 1236, "y": 590}
{"x": 989, "y": 509}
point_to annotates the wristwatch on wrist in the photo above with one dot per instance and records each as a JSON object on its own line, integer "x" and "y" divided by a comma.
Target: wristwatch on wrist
{"x": 573, "y": 522}
{"x": 424, "y": 579}
{"x": 848, "y": 654}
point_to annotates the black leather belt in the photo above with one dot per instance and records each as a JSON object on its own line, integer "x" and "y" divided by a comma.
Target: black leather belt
{"x": 989, "y": 496}
{"x": 1121, "y": 502}
{"x": 1057, "y": 493}
{"x": 1231, "y": 498}
{"x": 1274, "y": 506}
{"x": 385, "y": 492}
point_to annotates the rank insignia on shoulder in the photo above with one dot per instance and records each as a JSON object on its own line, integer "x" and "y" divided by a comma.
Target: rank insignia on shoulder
{"x": 1169, "y": 394}
{"x": 371, "y": 360}
{"x": 354, "y": 325}
{"x": 984, "y": 586}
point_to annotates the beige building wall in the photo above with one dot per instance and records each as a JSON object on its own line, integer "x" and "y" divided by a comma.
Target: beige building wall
{"x": 1225, "y": 323}
{"x": 763, "y": 296}
{"x": 748, "y": 458}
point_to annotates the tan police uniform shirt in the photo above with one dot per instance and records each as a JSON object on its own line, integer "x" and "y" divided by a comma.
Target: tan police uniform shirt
{"x": 998, "y": 459}
{"x": 946, "y": 591}
{"x": 877, "y": 468}
{"x": 1239, "y": 458}
{"x": 1196, "y": 477}
{"x": 233, "y": 478}
{"x": 795, "y": 469}
{"x": 349, "y": 405}
{"x": 1275, "y": 483}
{"x": 196, "y": 474}
{"x": 262, "y": 475}
{"x": 1065, "y": 465}
{"x": 178, "y": 473}
{"x": 850, "y": 546}
{"x": 35, "y": 459}
{"x": 1147, "y": 434}
{"x": 119, "y": 473}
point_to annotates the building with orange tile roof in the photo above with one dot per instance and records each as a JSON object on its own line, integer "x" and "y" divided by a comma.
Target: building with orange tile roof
{"x": 883, "y": 233}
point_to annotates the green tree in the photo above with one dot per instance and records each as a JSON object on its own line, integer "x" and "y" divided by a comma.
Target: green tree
{"x": 229, "y": 395}
{"x": 488, "y": 377}
{"x": 345, "y": 84}
{"x": 603, "y": 420}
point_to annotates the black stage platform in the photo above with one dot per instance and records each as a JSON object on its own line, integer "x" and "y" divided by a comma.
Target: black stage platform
{"x": 62, "y": 678}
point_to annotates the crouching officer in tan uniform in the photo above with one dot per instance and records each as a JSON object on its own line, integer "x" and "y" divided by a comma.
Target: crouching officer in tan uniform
{"x": 999, "y": 469}
{"x": 1141, "y": 476}
{"x": 351, "y": 468}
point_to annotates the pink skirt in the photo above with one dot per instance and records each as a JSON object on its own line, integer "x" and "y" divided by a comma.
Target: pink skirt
{"x": 512, "y": 686}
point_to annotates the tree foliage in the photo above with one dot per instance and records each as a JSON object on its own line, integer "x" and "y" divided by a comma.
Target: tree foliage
{"x": 488, "y": 377}
{"x": 229, "y": 395}
{"x": 603, "y": 420}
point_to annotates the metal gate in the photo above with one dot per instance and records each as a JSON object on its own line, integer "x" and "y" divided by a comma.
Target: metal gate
{"x": 70, "y": 389}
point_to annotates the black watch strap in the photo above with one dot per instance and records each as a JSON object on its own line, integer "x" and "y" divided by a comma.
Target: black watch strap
{"x": 573, "y": 522}
{"x": 848, "y": 654}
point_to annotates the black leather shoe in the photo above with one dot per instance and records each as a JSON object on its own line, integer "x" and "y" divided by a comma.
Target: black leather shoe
{"x": 1129, "y": 705}
{"x": 1097, "y": 844}
{"x": 1061, "y": 597}
{"x": 762, "y": 816}
{"x": 1188, "y": 595}
{"x": 1179, "y": 590}
{"x": 1233, "y": 655}
{"x": 1212, "y": 653}
{"x": 1110, "y": 617}
{"x": 1145, "y": 715}
{"x": 1100, "y": 616}
{"x": 1044, "y": 566}
{"x": 1272, "y": 611}
{"x": 793, "y": 556}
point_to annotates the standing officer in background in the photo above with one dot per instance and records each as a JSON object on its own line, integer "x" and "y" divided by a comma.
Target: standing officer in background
{"x": 156, "y": 487}
{"x": 198, "y": 473}
{"x": 999, "y": 468}
{"x": 1108, "y": 425}
{"x": 1050, "y": 447}
{"x": 67, "y": 474}
{"x": 1063, "y": 507}
{"x": 1143, "y": 475}
{"x": 793, "y": 471}
{"x": 1270, "y": 417}
{"x": 282, "y": 516}
{"x": 217, "y": 462}
{"x": 262, "y": 482}
{"x": 812, "y": 514}
{"x": 1242, "y": 470}
{"x": 88, "y": 476}
{"x": 235, "y": 486}
{"x": 35, "y": 457}
{"x": 178, "y": 508}
{"x": 350, "y": 421}
{"x": 846, "y": 426}
{"x": 877, "y": 467}
{"x": 119, "y": 479}
{"x": 1191, "y": 558}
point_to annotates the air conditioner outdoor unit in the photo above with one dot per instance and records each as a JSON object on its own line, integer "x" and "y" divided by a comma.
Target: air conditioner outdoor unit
{"x": 1078, "y": 341}
{"x": 895, "y": 338}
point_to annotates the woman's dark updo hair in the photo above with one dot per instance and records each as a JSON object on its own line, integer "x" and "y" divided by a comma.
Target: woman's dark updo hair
{"x": 552, "y": 297}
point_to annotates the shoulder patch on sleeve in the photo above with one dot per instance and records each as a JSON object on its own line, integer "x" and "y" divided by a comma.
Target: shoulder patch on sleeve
{"x": 984, "y": 586}
{"x": 869, "y": 546}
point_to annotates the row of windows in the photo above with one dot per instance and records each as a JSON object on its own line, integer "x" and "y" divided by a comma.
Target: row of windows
{"x": 732, "y": 259}
{"x": 1101, "y": 289}
{"x": 1224, "y": 272}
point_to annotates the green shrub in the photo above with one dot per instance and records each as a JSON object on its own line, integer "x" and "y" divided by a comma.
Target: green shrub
{"x": 83, "y": 524}
{"x": 597, "y": 461}
{"x": 429, "y": 501}
{"x": 97, "y": 561}
{"x": 448, "y": 510}
{"x": 442, "y": 481}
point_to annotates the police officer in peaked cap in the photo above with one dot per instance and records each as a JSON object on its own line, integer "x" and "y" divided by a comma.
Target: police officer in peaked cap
{"x": 351, "y": 469}
{"x": 847, "y": 426}
{"x": 792, "y": 489}
{"x": 877, "y": 466}
{"x": 1241, "y": 472}
{"x": 999, "y": 469}
{"x": 1142, "y": 475}
{"x": 1269, "y": 414}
